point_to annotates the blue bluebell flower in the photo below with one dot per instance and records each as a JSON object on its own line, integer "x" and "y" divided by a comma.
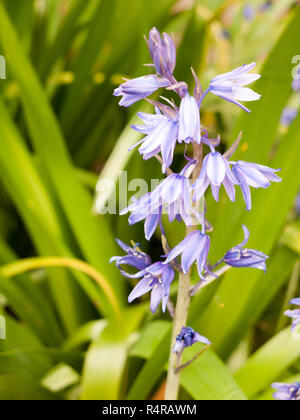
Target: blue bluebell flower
{"x": 215, "y": 172}
{"x": 249, "y": 12}
{"x": 134, "y": 258}
{"x": 189, "y": 120}
{"x": 157, "y": 279}
{"x": 163, "y": 53}
{"x": 136, "y": 89}
{"x": 287, "y": 392}
{"x": 193, "y": 248}
{"x": 249, "y": 174}
{"x": 171, "y": 196}
{"x": 295, "y": 314}
{"x": 297, "y": 205}
{"x": 296, "y": 83}
{"x": 288, "y": 115}
{"x": 244, "y": 257}
{"x": 231, "y": 86}
{"x": 187, "y": 338}
{"x": 161, "y": 136}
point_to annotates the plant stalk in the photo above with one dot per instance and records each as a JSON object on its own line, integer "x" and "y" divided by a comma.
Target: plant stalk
{"x": 182, "y": 304}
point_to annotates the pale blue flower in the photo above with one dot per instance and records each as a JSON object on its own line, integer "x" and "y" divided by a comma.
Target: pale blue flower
{"x": 249, "y": 174}
{"x": 215, "y": 172}
{"x": 288, "y": 116}
{"x": 295, "y": 314}
{"x": 287, "y": 392}
{"x": 171, "y": 196}
{"x": 157, "y": 279}
{"x": 161, "y": 136}
{"x": 136, "y": 89}
{"x": 244, "y": 257}
{"x": 163, "y": 53}
{"x": 189, "y": 121}
{"x": 193, "y": 248}
{"x": 231, "y": 86}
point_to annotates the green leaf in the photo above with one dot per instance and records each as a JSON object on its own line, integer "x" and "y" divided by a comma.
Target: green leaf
{"x": 269, "y": 363}
{"x": 48, "y": 142}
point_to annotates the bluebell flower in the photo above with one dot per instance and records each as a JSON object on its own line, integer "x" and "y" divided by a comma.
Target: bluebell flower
{"x": 231, "y": 86}
{"x": 295, "y": 314}
{"x": 134, "y": 258}
{"x": 157, "y": 279}
{"x": 215, "y": 172}
{"x": 171, "y": 196}
{"x": 193, "y": 248}
{"x": 288, "y": 115}
{"x": 163, "y": 53}
{"x": 243, "y": 257}
{"x": 187, "y": 338}
{"x": 136, "y": 89}
{"x": 249, "y": 12}
{"x": 189, "y": 120}
{"x": 297, "y": 205}
{"x": 296, "y": 83}
{"x": 249, "y": 174}
{"x": 161, "y": 136}
{"x": 287, "y": 392}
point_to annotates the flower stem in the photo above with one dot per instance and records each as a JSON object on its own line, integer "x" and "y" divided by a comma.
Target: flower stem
{"x": 182, "y": 305}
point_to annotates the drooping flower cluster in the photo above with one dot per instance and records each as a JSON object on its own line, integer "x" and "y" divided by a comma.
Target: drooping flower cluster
{"x": 182, "y": 195}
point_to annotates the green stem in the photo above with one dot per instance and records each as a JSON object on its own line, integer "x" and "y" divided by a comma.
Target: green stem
{"x": 182, "y": 305}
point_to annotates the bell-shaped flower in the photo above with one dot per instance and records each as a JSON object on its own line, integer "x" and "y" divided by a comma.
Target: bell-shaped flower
{"x": 134, "y": 258}
{"x": 161, "y": 137}
{"x": 157, "y": 279}
{"x": 287, "y": 392}
{"x": 231, "y": 86}
{"x": 244, "y": 257}
{"x": 163, "y": 53}
{"x": 295, "y": 314}
{"x": 189, "y": 121}
{"x": 187, "y": 338}
{"x": 215, "y": 172}
{"x": 136, "y": 89}
{"x": 171, "y": 196}
{"x": 249, "y": 174}
{"x": 194, "y": 248}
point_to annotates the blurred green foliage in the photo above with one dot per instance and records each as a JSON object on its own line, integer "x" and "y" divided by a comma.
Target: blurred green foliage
{"x": 70, "y": 332}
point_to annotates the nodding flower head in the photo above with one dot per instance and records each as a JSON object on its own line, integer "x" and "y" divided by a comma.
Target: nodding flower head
{"x": 194, "y": 248}
{"x": 215, "y": 172}
{"x": 249, "y": 174}
{"x": 187, "y": 338}
{"x": 171, "y": 196}
{"x": 136, "y": 89}
{"x": 135, "y": 257}
{"x": 189, "y": 121}
{"x": 244, "y": 257}
{"x": 231, "y": 86}
{"x": 161, "y": 136}
{"x": 295, "y": 314}
{"x": 163, "y": 52}
{"x": 157, "y": 279}
{"x": 249, "y": 12}
{"x": 287, "y": 392}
